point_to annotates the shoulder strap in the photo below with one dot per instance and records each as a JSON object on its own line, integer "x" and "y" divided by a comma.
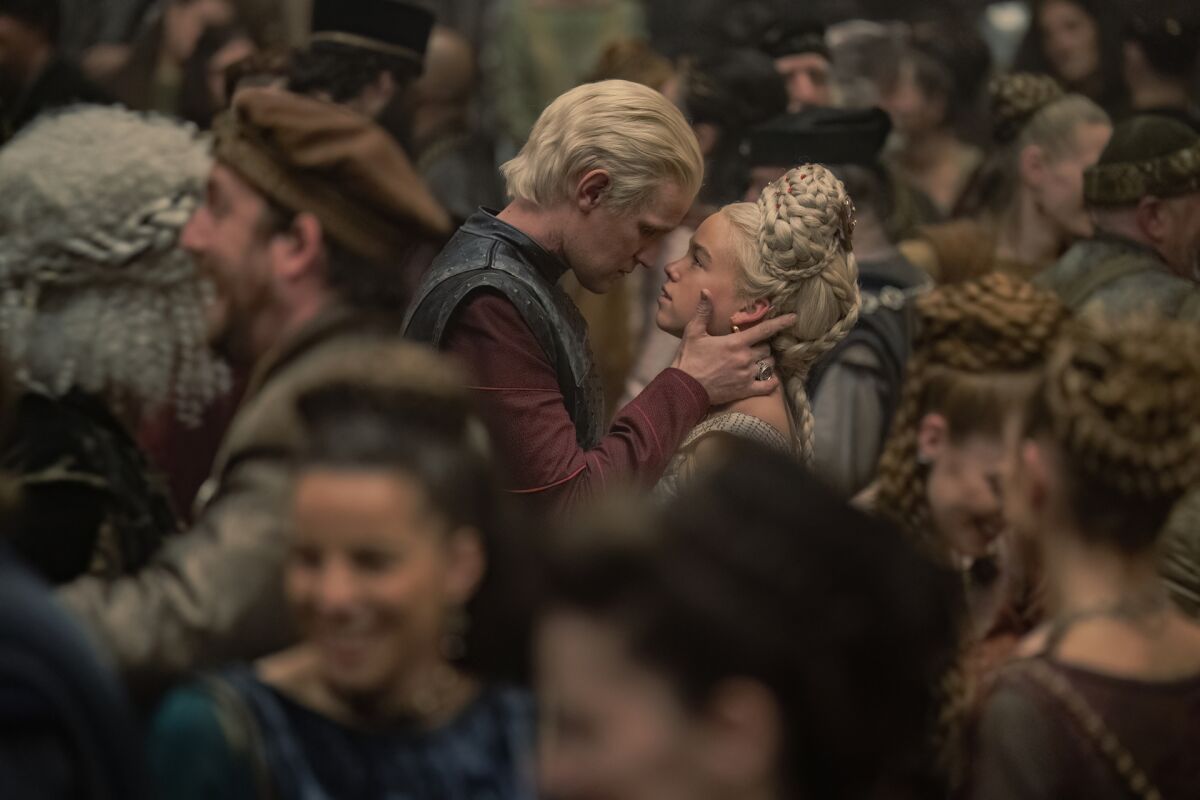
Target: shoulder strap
{"x": 1099, "y": 276}
{"x": 1093, "y": 727}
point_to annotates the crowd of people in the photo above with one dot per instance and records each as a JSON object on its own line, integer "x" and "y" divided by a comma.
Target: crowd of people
{"x": 599, "y": 399}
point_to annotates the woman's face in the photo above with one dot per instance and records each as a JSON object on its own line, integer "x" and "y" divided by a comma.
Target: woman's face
{"x": 708, "y": 264}
{"x": 965, "y": 494}
{"x": 912, "y": 109}
{"x": 611, "y": 729}
{"x": 372, "y": 575}
{"x": 1060, "y": 187}
{"x": 1070, "y": 40}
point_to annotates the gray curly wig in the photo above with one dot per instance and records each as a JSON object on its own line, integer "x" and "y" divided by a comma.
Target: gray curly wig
{"x": 95, "y": 293}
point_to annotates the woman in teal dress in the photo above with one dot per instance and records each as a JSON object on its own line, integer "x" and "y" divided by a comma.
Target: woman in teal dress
{"x": 387, "y": 695}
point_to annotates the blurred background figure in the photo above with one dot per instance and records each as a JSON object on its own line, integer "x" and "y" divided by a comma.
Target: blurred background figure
{"x": 1144, "y": 195}
{"x": 364, "y": 55}
{"x": 1078, "y": 43}
{"x": 34, "y": 75}
{"x": 666, "y": 670}
{"x": 802, "y": 57}
{"x": 932, "y": 99}
{"x": 1103, "y": 700}
{"x": 1162, "y": 59}
{"x": 104, "y": 325}
{"x": 1028, "y": 198}
{"x": 542, "y": 48}
{"x": 150, "y": 76}
{"x": 204, "y": 92}
{"x": 725, "y": 95}
{"x": 396, "y": 579}
{"x": 454, "y": 159}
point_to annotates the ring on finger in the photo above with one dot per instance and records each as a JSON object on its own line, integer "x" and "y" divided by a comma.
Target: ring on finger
{"x": 765, "y": 371}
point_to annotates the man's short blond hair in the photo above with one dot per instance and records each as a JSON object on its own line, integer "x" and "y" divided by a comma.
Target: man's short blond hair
{"x": 628, "y": 130}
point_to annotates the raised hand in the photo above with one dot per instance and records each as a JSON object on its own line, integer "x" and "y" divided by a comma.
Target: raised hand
{"x": 728, "y": 367}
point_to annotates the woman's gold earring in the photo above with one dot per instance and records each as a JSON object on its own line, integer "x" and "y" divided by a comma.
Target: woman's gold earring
{"x": 736, "y": 329}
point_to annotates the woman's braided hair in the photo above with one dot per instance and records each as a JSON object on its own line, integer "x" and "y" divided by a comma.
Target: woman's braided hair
{"x": 982, "y": 334}
{"x": 1119, "y": 399}
{"x": 798, "y": 256}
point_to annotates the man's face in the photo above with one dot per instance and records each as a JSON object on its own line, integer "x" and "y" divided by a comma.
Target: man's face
{"x": 807, "y": 79}
{"x": 231, "y": 245}
{"x": 604, "y": 245}
{"x": 1060, "y": 190}
{"x": 1180, "y": 246}
{"x": 19, "y": 45}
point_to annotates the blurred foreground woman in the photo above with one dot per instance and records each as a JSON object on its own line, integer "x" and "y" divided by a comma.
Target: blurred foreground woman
{"x": 387, "y": 694}
{"x": 755, "y": 639}
{"x": 1105, "y": 702}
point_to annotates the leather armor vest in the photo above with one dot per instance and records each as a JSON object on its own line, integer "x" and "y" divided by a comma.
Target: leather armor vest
{"x": 488, "y": 254}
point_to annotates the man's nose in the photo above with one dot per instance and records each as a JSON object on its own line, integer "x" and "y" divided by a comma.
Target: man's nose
{"x": 194, "y": 233}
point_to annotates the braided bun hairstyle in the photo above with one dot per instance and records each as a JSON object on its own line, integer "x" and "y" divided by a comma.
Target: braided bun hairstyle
{"x": 1119, "y": 400}
{"x": 975, "y": 341}
{"x": 796, "y": 252}
{"x": 1015, "y": 98}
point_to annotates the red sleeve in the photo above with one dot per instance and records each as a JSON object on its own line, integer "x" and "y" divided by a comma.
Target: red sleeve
{"x": 527, "y": 414}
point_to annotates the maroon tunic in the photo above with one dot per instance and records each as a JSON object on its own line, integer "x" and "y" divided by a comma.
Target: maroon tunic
{"x": 525, "y": 410}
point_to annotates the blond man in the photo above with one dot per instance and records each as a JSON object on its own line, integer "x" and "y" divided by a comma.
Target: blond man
{"x": 609, "y": 169}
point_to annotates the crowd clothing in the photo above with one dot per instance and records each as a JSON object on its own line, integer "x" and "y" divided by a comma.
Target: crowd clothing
{"x": 1179, "y": 555}
{"x": 856, "y": 388}
{"x": 215, "y": 592}
{"x": 967, "y": 161}
{"x": 1043, "y": 726}
{"x": 691, "y": 455}
{"x": 236, "y": 737}
{"x": 68, "y": 729}
{"x": 543, "y": 49}
{"x": 1117, "y": 276}
{"x": 184, "y": 453}
{"x": 459, "y": 167}
{"x": 59, "y": 84}
{"x": 86, "y": 23}
{"x": 91, "y": 504}
{"x": 492, "y": 299}
{"x": 961, "y": 250}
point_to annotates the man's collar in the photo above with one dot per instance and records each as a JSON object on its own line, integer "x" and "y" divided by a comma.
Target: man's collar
{"x": 486, "y": 223}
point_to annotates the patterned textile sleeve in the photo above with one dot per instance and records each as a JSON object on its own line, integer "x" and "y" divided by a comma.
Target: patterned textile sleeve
{"x": 534, "y": 434}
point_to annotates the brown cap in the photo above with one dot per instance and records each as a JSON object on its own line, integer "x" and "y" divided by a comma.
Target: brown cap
{"x": 310, "y": 155}
{"x": 1148, "y": 155}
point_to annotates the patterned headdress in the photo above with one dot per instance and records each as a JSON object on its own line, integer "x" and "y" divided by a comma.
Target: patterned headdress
{"x": 95, "y": 293}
